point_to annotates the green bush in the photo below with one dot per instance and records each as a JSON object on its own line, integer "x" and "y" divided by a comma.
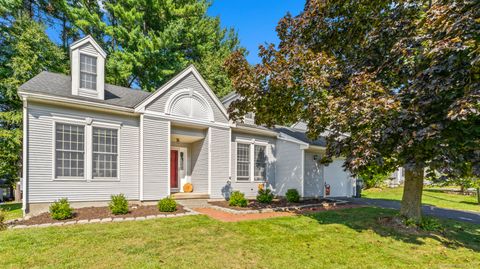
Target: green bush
{"x": 430, "y": 224}
{"x": 237, "y": 199}
{"x": 265, "y": 196}
{"x": 167, "y": 205}
{"x": 3, "y": 226}
{"x": 118, "y": 205}
{"x": 292, "y": 196}
{"x": 61, "y": 209}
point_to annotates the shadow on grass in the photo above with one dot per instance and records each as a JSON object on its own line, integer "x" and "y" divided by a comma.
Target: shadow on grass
{"x": 11, "y": 207}
{"x": 453, "y": 235}
{"x": 470, "y": 203}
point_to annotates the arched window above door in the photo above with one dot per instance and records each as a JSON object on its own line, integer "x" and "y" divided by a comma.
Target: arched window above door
{"x": 190, "y": 104}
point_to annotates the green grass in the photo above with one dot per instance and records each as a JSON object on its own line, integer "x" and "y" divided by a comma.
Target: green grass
{"x": 431, "y": 196}
{"x": 12, "y": 210}
{"x": 348, "y": 238}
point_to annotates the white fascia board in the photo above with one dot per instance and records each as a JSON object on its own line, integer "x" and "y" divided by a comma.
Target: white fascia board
{"x": 85, "y": 40}
{"x": 251, "y": 130}
{"x": 74, "y": 102}
{"x": 191, "y": 69}
{"x": 188, "y": 121}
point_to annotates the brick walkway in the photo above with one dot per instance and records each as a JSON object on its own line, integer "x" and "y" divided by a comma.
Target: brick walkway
{"x": 228, "y": 217}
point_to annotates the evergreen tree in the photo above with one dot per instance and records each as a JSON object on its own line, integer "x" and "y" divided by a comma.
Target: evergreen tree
{"x": 25, "y": 51}
{"x": 150, "y": 41}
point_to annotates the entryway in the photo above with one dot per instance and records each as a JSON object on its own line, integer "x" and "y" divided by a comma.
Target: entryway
{"x": 178, "y": 168}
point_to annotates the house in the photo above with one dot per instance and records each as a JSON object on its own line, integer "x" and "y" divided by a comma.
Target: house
{"x": 86, "y": 140}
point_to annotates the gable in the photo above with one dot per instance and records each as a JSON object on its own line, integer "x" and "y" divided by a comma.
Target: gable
{"x": 190, "y": 99}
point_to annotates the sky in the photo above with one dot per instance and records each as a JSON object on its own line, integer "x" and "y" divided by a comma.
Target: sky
{"x": 254, "y": 20}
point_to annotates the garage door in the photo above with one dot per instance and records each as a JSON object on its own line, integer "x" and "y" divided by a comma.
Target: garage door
{"x": 338, "y": 179}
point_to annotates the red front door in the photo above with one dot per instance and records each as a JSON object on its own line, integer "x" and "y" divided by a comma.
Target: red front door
{"x": 174, "y": 169}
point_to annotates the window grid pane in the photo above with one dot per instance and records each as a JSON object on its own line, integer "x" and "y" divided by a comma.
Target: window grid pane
{"x": 260, "y": 171}
{"x": 243, "y": 161}
{"x": 105, "y": 152}
{"x": 69, "y": 150}
{"x": 88, "y": 72}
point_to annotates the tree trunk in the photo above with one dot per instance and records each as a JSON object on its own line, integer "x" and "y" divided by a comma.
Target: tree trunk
{"x": 478, "y": 195}
{"x": 412, "y": 194}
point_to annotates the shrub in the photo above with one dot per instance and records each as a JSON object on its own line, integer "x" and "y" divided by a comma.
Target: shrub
{"x": 3, "y": 226}
{"x": 61, "y": 209}
{"x": 118, "y": 205}
{"x": 167, "y": 205}
{"x": 292, "y": 196}
{"x": 265, "y": 196}
{"x": 429, "y": 224}
{"x": 237, "y": 199}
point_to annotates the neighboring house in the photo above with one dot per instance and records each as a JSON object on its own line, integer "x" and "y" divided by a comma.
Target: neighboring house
{"x": 86, "y": 140}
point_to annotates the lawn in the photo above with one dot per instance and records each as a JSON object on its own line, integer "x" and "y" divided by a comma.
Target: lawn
{"x": 12, "y": 210}
{"x": 431, "y": 196}
{"x": 349, "y": 238}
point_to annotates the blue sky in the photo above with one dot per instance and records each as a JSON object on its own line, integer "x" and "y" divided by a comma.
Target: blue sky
{"x": 254, "y": 20}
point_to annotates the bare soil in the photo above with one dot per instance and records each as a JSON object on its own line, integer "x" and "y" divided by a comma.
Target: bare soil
{"x": 276, "y": 203}
{"x": 88, "y": 213}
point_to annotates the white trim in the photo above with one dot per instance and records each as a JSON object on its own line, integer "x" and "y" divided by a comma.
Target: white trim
{"x": 185, "y": 166}
{"x": 25, "y": 157}
{"x": 209, "y": 132}
{"x": 85, "y": 40}
{"x": 293, "y": 140}
{"x": 191, "y": 121}
{"x": 141, "y": 157}
{"x": 76, "y": 102}
{"x": 169, "y": 129}
{"x": 174, "y": 97}
{"x": 303, "y": 171}
{"x": 252, "y": 130}
{"x": 230, "y": 154}
{"x": 55, "y": 121}
{"x": 252, "y": 143}
{"x": 119, "y": 144}
{"x": 177, "y": 78}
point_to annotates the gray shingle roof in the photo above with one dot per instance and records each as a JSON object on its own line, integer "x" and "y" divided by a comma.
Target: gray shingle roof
{"x": 60, "y": 85}
{"x": 301, "y": 135}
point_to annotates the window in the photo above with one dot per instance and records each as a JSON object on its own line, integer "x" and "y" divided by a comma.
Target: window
{"x": 243, "y": 161}
{"x": 69, "y": 150}
{"x": 260, "y": 168}
{"x": 105, "y": 152}
{"x": 88, "y": 72}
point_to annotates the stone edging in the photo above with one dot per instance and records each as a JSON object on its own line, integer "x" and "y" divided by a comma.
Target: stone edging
{"x": 106, "y": 220}
{"x": 277, "y": 209}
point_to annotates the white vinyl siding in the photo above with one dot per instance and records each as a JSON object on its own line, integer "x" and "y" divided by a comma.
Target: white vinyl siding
{"x": 69, "y": 150}
{"x": 43, "y": 187}
{"x": 105, "y": 153}
{"x": 243, "y": 161}
{"x": 88, "y": 72}
{"x": 260, "y": 169}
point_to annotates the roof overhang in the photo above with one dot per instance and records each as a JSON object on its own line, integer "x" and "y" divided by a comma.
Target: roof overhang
{"x": 77, "y": 103}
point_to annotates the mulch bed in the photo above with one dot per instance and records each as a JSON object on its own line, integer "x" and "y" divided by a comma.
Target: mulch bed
{"x": 88, "y": 213}
{"x": 310, "y": 210}
{"x": 276, "y": 203}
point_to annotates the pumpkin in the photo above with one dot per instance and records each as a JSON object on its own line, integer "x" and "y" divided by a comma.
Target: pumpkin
{"x": 187, "y": 187}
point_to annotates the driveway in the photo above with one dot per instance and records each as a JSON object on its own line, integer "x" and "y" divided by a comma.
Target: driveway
{"x": 467, "y": 216}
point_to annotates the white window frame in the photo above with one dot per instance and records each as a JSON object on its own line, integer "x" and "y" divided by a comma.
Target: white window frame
{"x": 88, "y": 124}
{"x": 254, "y": 163}
{"x": 243, "y": 179}
{"x": 54, "y": 152}
{"x": 80, "y": 71}
{"x": 105, "y": 126}
{"x": 252, "y": 143}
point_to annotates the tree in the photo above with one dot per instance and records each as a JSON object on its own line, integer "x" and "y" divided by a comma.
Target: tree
{"x": 400, "y": 78}
{"x": 150, "y": 41}
{"x": 25, "y": 51}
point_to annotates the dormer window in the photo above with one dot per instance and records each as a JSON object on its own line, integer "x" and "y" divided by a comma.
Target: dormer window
{"x": 88, "y": 72}
{"x": 88, "y": 68}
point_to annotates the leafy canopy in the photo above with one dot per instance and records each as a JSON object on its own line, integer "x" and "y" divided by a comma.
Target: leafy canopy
{"x": 400, "y": 78}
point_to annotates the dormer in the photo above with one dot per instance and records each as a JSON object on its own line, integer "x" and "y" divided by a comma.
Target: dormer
{"x": 88, "y": 68}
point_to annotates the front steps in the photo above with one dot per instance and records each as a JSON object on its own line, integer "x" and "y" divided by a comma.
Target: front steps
{"x": 189, "y": 195}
